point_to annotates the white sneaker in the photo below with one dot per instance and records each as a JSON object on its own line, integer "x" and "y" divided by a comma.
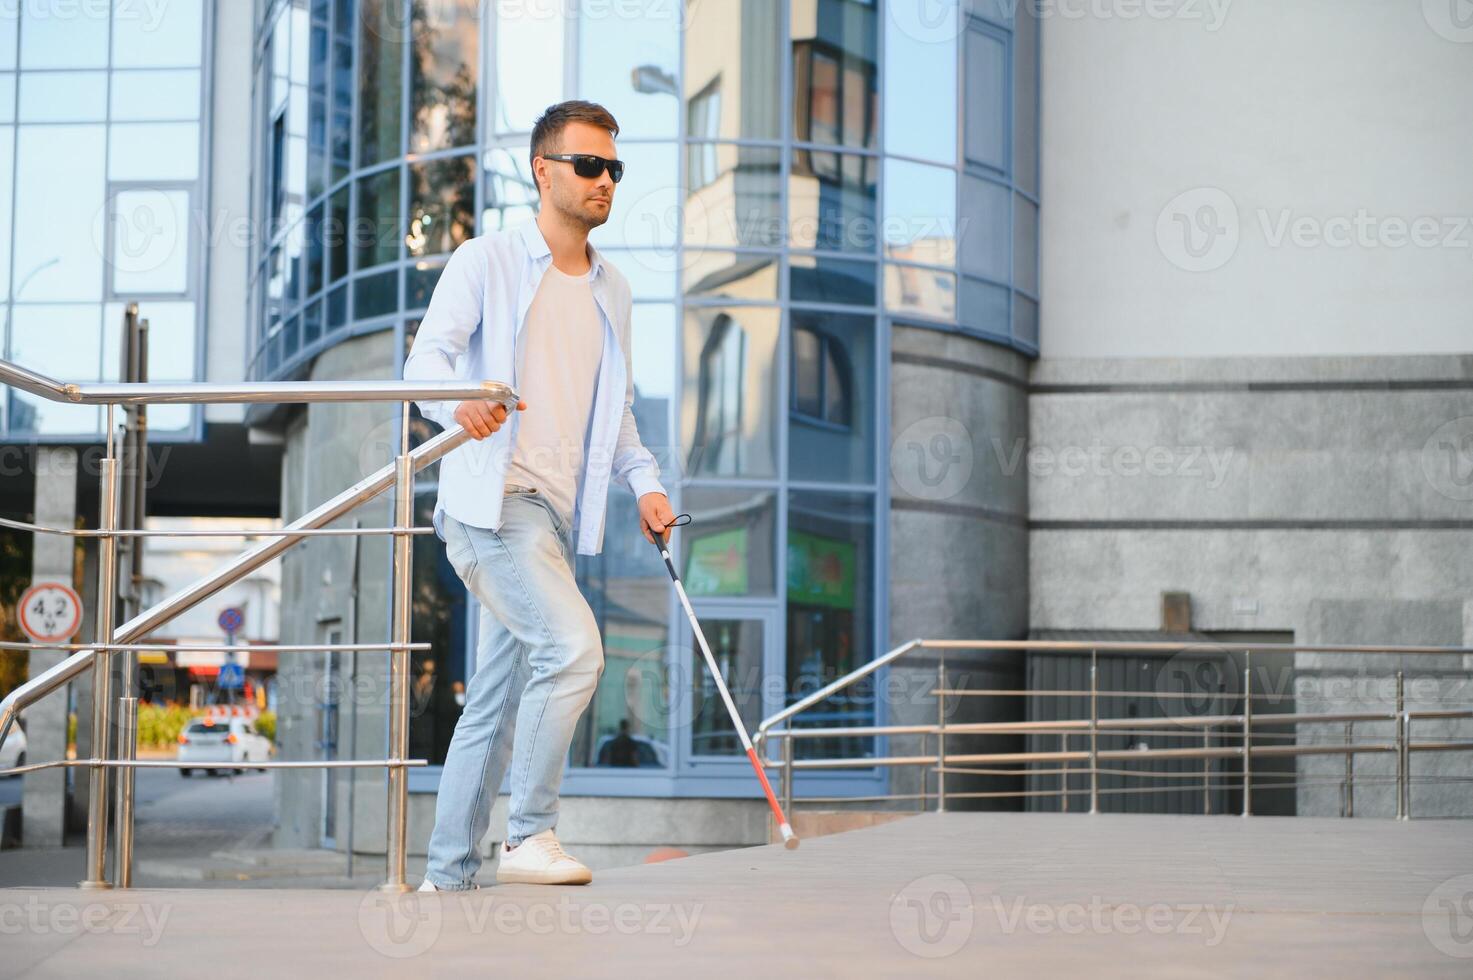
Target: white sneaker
{"x": 541, "y": 860}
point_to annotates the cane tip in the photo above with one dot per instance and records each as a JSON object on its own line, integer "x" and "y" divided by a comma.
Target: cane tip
{"x": 790, "y": 839}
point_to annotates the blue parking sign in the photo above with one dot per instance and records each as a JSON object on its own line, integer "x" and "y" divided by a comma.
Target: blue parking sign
{"x": 232, "y": 677}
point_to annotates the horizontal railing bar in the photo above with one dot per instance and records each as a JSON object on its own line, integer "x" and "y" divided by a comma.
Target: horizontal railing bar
{"x": 1126, "y": 646}
{"x": 1225, "y": 752}
{"x": 289, "y": 392}
{"x": 174, "y": 764}
{"x": 968, "y": 771}
{"x": 1118, "y": 755}
{"x": 279, "y": 392}
{"x": 1196, "y": 695}
{"x": 1258, "y": 777}
{"x": 868, "y": 799}
{"x": 978, "y": 692}
{"x": 321, "y": 532}
{"x": 1223, "y": 784}
{"x": 221, "y": 648}
{"x": 1112, "y": 725}
{"x": 1076, "y": 646}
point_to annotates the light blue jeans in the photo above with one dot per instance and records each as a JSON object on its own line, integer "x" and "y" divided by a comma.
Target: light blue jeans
{"x": 538, "y": 662}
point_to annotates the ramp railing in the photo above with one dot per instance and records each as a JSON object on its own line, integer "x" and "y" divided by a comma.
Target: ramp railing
{"x": 108, "y": 711}
{"x": 1238, "y": 734}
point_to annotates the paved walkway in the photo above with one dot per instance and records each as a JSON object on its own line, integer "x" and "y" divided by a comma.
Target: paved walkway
{"x": 976, "y": 895}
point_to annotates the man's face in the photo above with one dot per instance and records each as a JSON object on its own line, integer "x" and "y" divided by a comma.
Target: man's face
{"x": 586, "y": 200}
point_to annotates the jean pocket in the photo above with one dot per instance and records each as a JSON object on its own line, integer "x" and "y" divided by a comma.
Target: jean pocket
{"x": 460, "y": 550}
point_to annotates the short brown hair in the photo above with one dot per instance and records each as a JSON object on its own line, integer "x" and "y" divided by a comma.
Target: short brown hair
{"x": 548, "y": 130}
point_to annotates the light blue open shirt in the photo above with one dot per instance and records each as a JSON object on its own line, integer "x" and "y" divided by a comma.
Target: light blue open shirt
{"x": 472, "y": 331}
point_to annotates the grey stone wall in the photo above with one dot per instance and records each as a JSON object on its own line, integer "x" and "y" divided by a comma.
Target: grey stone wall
{"x": 1315, "y": 496}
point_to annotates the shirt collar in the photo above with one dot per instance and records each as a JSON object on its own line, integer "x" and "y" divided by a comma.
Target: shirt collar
{"x": 537, "y": 247}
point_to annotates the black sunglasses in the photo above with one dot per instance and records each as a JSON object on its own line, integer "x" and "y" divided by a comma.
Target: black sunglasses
{"x": 590, "y": 166}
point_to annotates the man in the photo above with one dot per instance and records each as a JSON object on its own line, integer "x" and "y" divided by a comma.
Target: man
{"x": 537, "y": 306}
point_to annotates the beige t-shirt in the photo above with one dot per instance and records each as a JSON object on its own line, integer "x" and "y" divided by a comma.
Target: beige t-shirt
{"x": 557, "y": 367}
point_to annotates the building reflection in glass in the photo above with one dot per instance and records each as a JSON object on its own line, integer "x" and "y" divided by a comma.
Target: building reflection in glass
{"x": 729, "y": 420}
{"x": 835, "y": 74}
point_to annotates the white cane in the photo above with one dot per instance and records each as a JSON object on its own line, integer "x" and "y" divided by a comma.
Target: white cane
{"x": 790, "y": 840}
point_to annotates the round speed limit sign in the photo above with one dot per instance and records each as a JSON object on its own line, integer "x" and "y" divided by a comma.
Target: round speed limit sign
{"x": 50, "y": 612}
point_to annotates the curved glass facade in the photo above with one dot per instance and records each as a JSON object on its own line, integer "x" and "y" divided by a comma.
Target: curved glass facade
{"x": 801, "y": 174}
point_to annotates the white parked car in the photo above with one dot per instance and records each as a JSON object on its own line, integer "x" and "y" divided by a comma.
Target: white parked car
{"x": 223, "y": 740}
{"x": 13, "y": 752}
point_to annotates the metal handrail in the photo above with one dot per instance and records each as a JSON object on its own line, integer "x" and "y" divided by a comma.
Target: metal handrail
{"x": 209, "y": 532}
{"x": 1090, "y": 729}
{"x": 1072, "y": 646}
{"x": 247, "y": 562}
{"x": 249, "y": 392}
{"x": 399, "y": 474}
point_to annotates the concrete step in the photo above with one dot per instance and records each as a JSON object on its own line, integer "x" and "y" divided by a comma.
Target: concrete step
{"x": 238, "y": 865}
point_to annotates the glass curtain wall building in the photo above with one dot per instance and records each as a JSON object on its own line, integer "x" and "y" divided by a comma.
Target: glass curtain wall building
{"x": 103, "y": 129}
{"x": 801, "y": 176}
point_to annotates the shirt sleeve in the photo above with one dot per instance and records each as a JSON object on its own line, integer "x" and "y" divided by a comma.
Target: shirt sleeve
{"x": 453, "y": 316}
{"x": 634, "y": 466}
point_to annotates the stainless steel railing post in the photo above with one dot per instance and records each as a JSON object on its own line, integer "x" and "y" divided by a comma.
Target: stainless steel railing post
{"x": 1247, "y": 742}
{"x": 1349, "y": 770}
{"x": 1401, "y": 748}
{"x": 97, "y": 800}
{"x": 127, "y": 752}
{"x": 940, "y": 735}
{"x": 132, "y": 491}
{"x": 1064, "y": 774}
{"x": 788, "y": 774}
{"x": 1094, "y": 739}
{"x": 398, "y": 812}
{"x": 1206, "y": 770}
